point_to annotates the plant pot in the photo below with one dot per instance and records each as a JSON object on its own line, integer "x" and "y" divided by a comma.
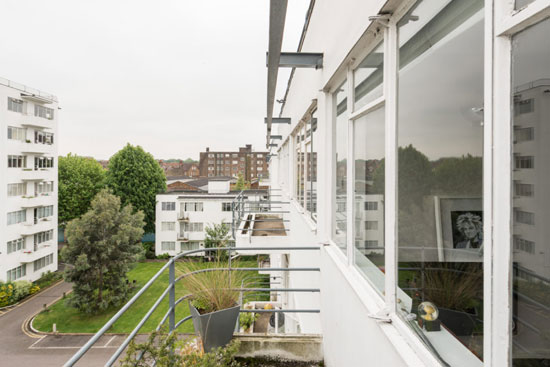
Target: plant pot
{"x": 215, "y": 328}
{"x": 460, "y": 323}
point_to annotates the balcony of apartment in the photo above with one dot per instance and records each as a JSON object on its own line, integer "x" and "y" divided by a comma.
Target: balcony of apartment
{"x": 35, "y": 122}
{"x": 183, "y": 217}
{"x": 260, "y": 223}
{"x": 37, "y": 200}
{"x": 31, "y": 254}
{"x": 275, "y": 338}
{"x": 33, "y": 226}
{"x": 30, "y": 174}
{"x": 29, "y": 147}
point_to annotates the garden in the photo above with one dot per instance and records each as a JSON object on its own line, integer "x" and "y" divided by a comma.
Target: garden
{"x": 12, "y": 293}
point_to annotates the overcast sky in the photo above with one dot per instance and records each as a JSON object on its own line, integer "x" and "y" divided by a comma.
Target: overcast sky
{"x": 173, "y": 76}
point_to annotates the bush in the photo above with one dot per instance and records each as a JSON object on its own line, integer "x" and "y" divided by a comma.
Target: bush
{"x": 48, "y": 278}
{"x": 21, "y": 289}
{"x": 163, "y": 256}
{"x": 158, "y": 350}
{"x": 6, "y": 294}
{"x": 149, "y": 248}
{"x": 35, "y": 288}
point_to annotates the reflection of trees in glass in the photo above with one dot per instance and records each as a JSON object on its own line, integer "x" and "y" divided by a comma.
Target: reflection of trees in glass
{"x": 419, "y": 179}
{"x": 458, "y": 176}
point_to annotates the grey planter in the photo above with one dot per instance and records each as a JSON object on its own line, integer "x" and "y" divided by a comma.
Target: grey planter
{"x": 215, "y": 328}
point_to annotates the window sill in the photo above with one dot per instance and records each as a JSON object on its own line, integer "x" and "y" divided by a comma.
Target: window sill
{"x": 407, "y": 345}
{"x": 305, "y": 214}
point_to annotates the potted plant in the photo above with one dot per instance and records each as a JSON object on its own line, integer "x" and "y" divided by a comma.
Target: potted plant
{"x": 246, "y": 320}
{"x": 456, "y": 289}
{"x": 214, "y": 303}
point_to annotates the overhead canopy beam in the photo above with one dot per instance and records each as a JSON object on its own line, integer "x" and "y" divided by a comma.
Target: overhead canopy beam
{"x": 277, "y": 120}
{"x": 276, "y": 137}
{"x": 273, "y": 145}
{"x": 299, "y": 60}
{"x": 277, "y": 15}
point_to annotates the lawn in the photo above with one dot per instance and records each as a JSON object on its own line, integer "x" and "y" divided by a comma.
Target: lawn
{"x": 70, "y": 320}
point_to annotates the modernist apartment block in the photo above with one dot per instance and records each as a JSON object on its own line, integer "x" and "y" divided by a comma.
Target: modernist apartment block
{"x": 182, "y": 216}
{"x": 417, "y": 159}
{"x": 246, "y": 162}
{"x": 28, "y": 198}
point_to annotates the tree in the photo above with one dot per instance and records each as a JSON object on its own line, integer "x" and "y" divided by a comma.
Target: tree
{"x": 217, "y": 235}
{"x": 136, "y": 177}
{"x": 101, "y": 245}
{"x": 80, "y": 179}
{"x": 459, "y": 176}
{"x": 241, "y": 184}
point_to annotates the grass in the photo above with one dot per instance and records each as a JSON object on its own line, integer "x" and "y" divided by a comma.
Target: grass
{"x": 70, "y": 320}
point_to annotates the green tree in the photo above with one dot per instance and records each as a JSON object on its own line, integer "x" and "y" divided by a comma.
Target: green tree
{"x": 217, "y": 235}
{"x": 80, "y": 179}
{"x": 136, "y": 177}
{"x": 241, "y": 184}
{"x": 101, "y": 245}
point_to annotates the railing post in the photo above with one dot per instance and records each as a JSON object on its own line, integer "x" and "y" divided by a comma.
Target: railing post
{"x": 172, "y": 296}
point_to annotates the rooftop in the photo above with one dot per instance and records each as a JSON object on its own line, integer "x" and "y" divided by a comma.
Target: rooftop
{"x": 28, "y": 90}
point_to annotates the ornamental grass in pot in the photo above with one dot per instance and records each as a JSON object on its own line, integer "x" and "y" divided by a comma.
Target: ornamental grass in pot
{"x": 214, "y": 303}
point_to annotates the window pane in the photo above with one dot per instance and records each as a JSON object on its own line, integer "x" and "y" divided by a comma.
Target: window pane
{"x": 531, "y": 204}
{"x": 367, "y": 78}
{"x": 311, "y": 165}
{"x": 369, "y": 196}
{"x": 440, "y": 161}
{"x": 339, "y": 217}
{"x": 522, "y": 3}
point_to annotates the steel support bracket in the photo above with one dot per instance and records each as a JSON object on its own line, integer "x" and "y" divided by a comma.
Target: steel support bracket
{"x": 300, "y": 60}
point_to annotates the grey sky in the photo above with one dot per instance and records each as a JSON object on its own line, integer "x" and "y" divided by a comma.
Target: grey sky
{"x": 173, "y": 76}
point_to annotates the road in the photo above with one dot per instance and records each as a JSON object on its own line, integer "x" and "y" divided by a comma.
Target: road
{"x": 21, "y": 349}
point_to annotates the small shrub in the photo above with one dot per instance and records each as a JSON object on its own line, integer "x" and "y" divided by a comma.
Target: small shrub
{"x": 35, "y": 288}
{"x": 21, "y": 289}
{"x": 159, "y": 350}
{"x": 163, "y": 256}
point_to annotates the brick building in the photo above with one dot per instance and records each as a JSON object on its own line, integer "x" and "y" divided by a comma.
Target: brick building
{"x": 249, "y": 163}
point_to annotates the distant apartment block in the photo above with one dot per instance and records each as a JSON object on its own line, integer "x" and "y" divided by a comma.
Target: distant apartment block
{"x": 246, "y": 162}
{"x": 28, "y": 177}
{"x": 180, "y": 168}
{"x": 182, "y": 216}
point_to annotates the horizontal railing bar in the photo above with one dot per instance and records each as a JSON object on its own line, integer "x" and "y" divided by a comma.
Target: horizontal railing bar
{"x": 315, "y": 290}
{"x": 113, "y": 319}
{"x": 136, "y": 329}
{"x": 170, "y": 309}
{"x": 268, "y": 212}
{"x": 208, "y": 270}
{"x": 296, "y": 248}
{"x": 182, "y": 321}
{"x": 279, "y": 310}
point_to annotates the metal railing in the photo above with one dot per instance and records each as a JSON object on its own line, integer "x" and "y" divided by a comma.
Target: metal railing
{"x": 244, "y": 209}
{"x": 170, "y": 291}
{"x": 24, "y": 88}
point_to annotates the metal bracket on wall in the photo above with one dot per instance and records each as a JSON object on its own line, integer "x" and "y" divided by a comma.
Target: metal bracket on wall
{"x": 300, "y": 60}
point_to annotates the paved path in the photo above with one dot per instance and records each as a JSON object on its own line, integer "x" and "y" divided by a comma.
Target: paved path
{"x": 20, "y": 349}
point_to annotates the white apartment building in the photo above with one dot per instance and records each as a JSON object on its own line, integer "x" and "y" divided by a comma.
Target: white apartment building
{"x": 28, "y": 166}
{"x": 426, "y": 121}
{"x": 182, "y": 216}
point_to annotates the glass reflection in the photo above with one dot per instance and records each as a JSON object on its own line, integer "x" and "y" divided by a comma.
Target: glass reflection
{"x": 368, "y": 77}
{"x": 531, "y": 204}
{"x": 440, "y": 135}
{"x": 340, "y": 193}
{"x": 369, "y": 196}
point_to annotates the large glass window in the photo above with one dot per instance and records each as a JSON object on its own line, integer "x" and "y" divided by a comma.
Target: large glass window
{"x": 440, "y": 177}
{"x": 341, "y": 148}
{"x": 311, "y": 165}
{"x": 531, "y": 203}
{"x": 367, "y": 78}
{"x": 369, "y": 196}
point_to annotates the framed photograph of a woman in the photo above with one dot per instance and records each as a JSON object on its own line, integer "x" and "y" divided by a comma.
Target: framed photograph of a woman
{"x": 459, "y": 228}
